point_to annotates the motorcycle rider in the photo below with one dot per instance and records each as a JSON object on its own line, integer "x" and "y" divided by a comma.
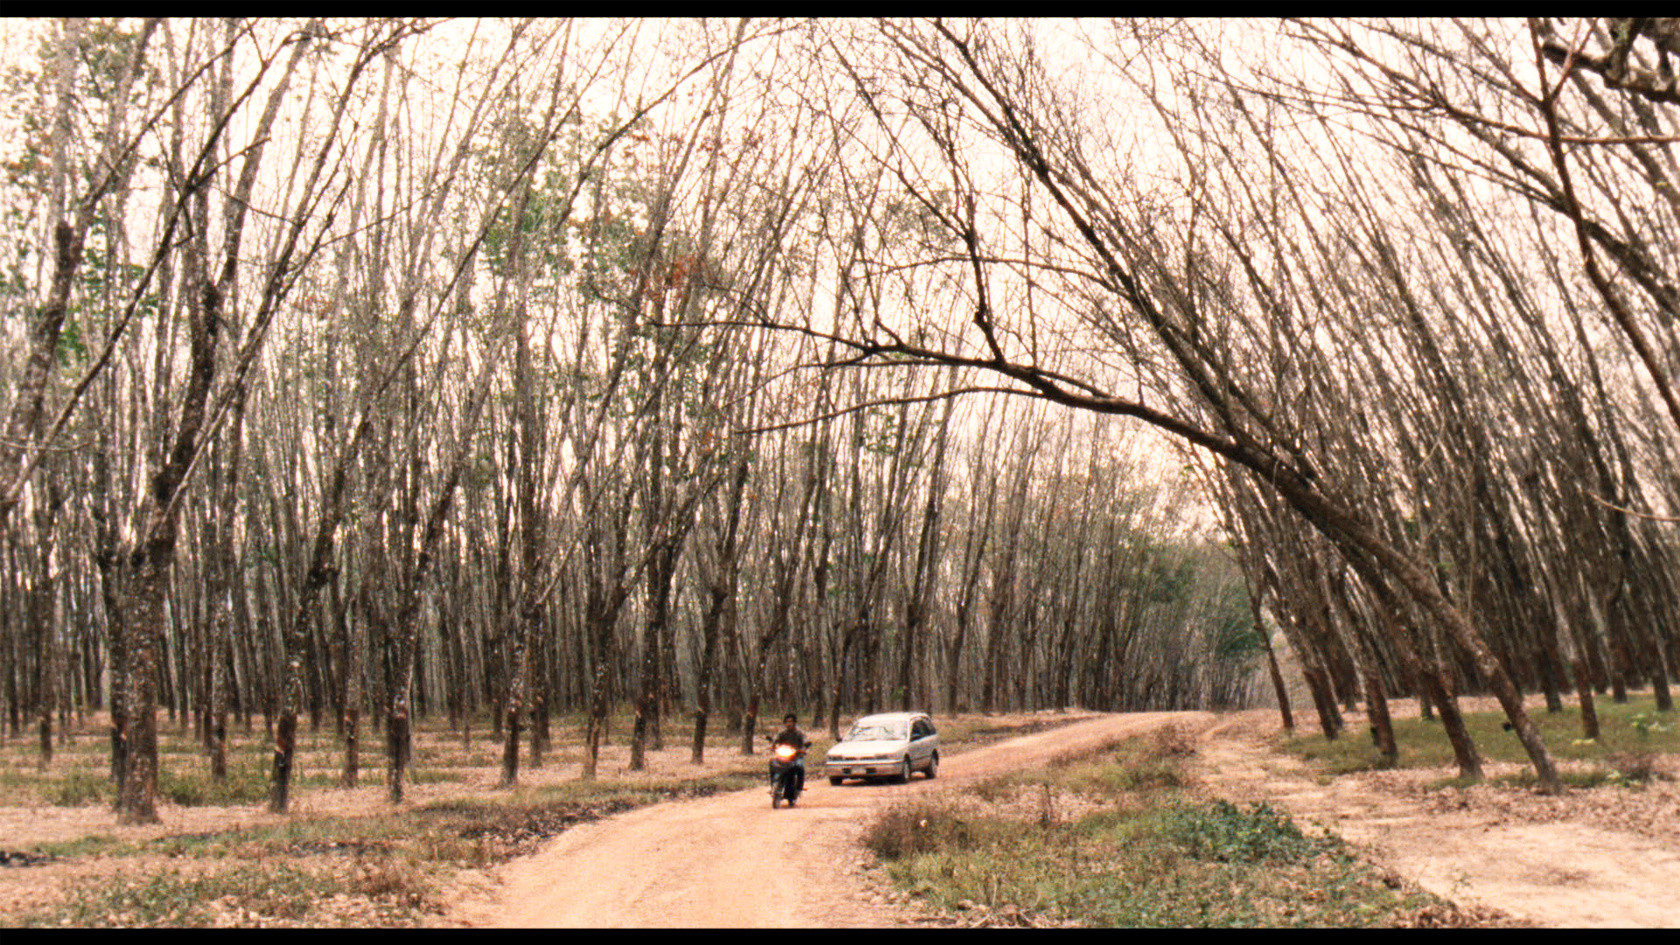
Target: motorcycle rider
{"x": 791, "y": 735}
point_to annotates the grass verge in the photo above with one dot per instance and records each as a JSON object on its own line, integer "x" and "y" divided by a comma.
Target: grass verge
{"x": 245, "y": 895}
{"x": 1115, "y": 840}
{"x": 1631, "y": 736}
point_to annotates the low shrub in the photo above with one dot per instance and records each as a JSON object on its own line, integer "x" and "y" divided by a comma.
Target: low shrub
{"x": 1225, "y": 833}
{"x": 1174, "y": 741}
{"x": 910, "y": 829}
{"x": 1168, "y": 863}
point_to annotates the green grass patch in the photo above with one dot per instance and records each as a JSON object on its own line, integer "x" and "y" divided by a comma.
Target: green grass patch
{"x": 1141, "y": 853}
{"x": 1130, "y": 766}
{"x": 245, "y": 784}
{"x": 1225, "y": 833}
{"x": 91, "y": 845}
{"x": 1187, "y": 866}
{"x": 1629, "y": 734}
{"x": 79, "y": 787}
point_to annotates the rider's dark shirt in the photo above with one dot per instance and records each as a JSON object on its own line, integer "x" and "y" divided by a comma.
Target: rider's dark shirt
{"x": 796, "y": 738}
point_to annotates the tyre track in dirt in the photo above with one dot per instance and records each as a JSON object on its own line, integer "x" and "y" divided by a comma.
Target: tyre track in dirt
{"x": 729, "y": 861}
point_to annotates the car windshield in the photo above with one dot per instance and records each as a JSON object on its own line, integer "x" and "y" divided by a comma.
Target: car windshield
{"x": 877, "y": 732}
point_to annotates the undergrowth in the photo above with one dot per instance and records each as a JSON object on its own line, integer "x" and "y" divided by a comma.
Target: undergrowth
{"x": 1114, "y": 839}
{"x": 1632, "y": 736}
{"x": 253, "y": 895}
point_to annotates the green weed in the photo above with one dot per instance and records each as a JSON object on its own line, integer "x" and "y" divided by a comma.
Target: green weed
{"x": 244, "y": 785}
{"x": 95, "y": 844}
{"x": 1226, "y": 833}
{"x": 1146, "y": 856}
{"x": 78, "y": 788}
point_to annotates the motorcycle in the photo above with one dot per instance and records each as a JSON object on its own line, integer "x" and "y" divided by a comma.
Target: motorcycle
{"x": 784, "y": 775}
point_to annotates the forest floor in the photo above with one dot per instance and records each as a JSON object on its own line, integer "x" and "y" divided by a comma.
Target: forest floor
{"x": 1604, "y": 856}
{"x": 679, "y": 845}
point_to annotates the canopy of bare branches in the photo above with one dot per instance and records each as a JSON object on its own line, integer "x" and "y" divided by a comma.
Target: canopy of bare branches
{"x": 500, "y": 369}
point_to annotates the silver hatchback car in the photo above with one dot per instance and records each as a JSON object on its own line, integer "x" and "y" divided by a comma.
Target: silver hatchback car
{"x": 887, "y": 746}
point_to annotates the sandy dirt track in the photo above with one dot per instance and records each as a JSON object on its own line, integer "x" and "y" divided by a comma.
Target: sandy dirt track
{"x": 730, "y": 861}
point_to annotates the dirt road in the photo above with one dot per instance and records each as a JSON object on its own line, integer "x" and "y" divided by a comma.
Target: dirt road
{"x": 1593, "y": 858}
{"x": 730, "y": 861}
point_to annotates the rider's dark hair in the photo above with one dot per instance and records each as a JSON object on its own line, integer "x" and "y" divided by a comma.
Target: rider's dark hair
{"x": 790, "y": 717}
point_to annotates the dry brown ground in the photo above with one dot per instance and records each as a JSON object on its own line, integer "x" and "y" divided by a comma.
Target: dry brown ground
{"x": 731, "y": 861}
{"x": 1605, "y": 856}
{"x": 27, "y": 819}
{"x": 1597, "y": 857}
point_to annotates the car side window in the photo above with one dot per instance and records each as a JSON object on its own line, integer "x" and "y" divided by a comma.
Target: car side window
{"x": 922, "y": 729}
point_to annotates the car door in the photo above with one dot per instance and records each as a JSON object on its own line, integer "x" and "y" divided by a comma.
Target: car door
{"x": 921, "y": 743}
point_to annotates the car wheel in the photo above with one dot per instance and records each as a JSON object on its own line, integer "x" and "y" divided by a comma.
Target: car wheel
{"x": 903, "y": 771}
{"x": 836, "y": 781}
{"x": 933, "y": 766}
